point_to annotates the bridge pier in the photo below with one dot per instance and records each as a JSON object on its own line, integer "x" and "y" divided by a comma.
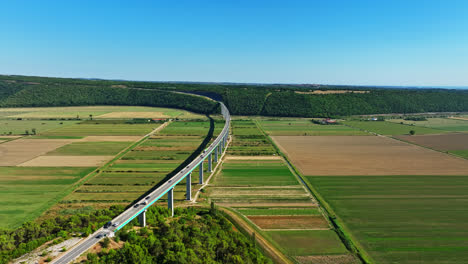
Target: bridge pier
{"x": 216, "y": 154}
{"x": 170, "y": 201}
{"x": 209, "y": 163}
{"x": 200, "y": 174}
{"x": 142, "y": 218}
{"x": 188, "y": 183}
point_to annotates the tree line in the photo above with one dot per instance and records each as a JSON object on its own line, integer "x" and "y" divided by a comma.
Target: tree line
{"x": 241, "y": 99}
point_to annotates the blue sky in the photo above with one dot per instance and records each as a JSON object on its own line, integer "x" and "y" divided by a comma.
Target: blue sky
{"x": 383, "y": 42}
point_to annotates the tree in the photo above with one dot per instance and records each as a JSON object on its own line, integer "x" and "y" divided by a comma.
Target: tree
{"x": 90, "y": 117}
{"x": 412, "y": 132}
{"x": 33, "y": 131}
{"x": 105, "y": 242}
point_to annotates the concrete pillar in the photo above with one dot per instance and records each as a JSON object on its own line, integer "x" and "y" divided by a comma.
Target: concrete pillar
{"x": 142, "y": 218}
{"x": 188, "y": 183}
{"x": 216, "y": 154}
{"x": 170, "y": 201}
{"x": 200, "y": 174}
{"x": 209, "y": 163}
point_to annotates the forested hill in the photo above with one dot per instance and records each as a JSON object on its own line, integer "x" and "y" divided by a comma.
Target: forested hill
{"x": 268, "y": 100}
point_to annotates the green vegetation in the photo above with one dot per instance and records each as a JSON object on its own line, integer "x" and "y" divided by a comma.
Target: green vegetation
{"x": 99, "y": 128}
{"x": 90, "y": 149}
{"x": 402, "y": 219}
{"x": 248, "y": 140}
{"x": 437, "y": 123}
{"x": 269, "y": 100}
{"x": 309, "y": 242}
{"x": 304, "y": 127}
{"x": 279, "y": 211}
{"x": 26, "y": 192}
{"x": 31, "y": 235}
{"x": 19, "y": 127}
{"x": 390, "y": 128}
{"x": 84, "y": 112}
{"x": 258, "y": 173}
{"x": 461, "y": 153}
{"x": 194, "y": 236}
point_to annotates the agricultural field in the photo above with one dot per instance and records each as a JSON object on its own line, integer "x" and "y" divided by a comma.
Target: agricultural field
{"x": 84, "y": 112}
{"x": 27, "y": 191}
{"x": 455, "y": 143}
{"x": 29, "y": 164}
{"x": 305, "y": 127}
{"x": 103, "y": 128}
{"x": 402, "y": 219}
{"x": 366, "y": 155}
{"x": 248, "y": 140}
{"x": 143, "y": 167}
{"x": 27, "y": 127}
{"x": 391, "y": 128}
{"x": 445, "y": 124}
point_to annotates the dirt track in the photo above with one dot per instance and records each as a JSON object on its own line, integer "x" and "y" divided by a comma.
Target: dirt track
{"x": 366, "y": 155}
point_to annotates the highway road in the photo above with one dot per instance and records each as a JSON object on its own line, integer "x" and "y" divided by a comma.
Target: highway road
{"x": 136, "y": 209}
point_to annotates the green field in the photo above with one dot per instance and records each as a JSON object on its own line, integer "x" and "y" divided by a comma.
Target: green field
{"x": 103, "y": 129}
{"x": 26, "y": 192}
{"x": 279, "y": 211}
{"x": 403, "y": 219}
{"x": 19, "y": 127}
{"x": 447, "y": 124}
{"x": 390, "y": 128}
{"x": 145, "y": 166}
{"x": 248, "y": 140}
{"x": 256, "y": 174}
{"x": 84, "y": 112}
{"x": 461, "y": 153}
{"x": 90, "y": 149}
{"x": 304, "y": 127}
{"x": 307, "y": 242}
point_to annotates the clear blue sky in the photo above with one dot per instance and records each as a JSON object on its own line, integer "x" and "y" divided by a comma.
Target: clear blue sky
{"x": 378, "y": 42}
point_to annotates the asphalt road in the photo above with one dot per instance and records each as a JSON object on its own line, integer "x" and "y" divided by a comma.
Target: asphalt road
{"x": 135, "y": 210}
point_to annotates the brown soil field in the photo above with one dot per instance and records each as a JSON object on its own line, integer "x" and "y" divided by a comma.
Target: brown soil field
{"x": 18, "y": 151}
{"x": 252, "y": 157}
{"x": 110, "y": 139}
{"x": 134, "y": 115}
{"x": 66, "y": 161}
{"x": 366, "y": 155}
{"x": 152, "y": 148}
{"x": 1, "y": 141}
{"x": 305, "y": 204}
{"x": 440, "y": 142}
{"x": 459, "y": 118}
{"x": 289, "y": 222}
{"x": 328, "y": 259}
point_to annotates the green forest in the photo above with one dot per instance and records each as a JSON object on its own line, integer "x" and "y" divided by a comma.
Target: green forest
{"x": 267, "y": 100}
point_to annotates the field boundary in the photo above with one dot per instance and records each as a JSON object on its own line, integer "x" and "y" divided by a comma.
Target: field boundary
{"x": 98, "y": 170}
{"x": 344, "y": 234}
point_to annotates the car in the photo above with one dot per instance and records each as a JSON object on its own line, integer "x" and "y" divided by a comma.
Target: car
{"x": 145, "y": 202}
{"x": 148, "y": 197}
{"x": 170, "y": 181}
{"x": 99, "y": 236}
{"x": 115, "y": 224}
{"x": 136, "y": 205}
{"x": 106, "y": 225}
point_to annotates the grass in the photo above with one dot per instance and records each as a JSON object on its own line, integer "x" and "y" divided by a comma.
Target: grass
{"x": 279, "y": 211}
{"x": 447, "y": 124}
{"x": 93, "y": 129}
{"x": 249, "y": 140}
{"x": 187, "y": 128}
{"x": 390, "y": 128}
{"x": 83, "y": 112}
{"x": 403, "y": 219}
{"x": 255, "y": 173}
{"x": 19, "y": 127}
{"x": 26, "y": 190}
{"x": 308, "y": 242}
{"x": 90, "y": 149}
{"x": 461, "y": 153}
{"x": 304, "y": 127}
